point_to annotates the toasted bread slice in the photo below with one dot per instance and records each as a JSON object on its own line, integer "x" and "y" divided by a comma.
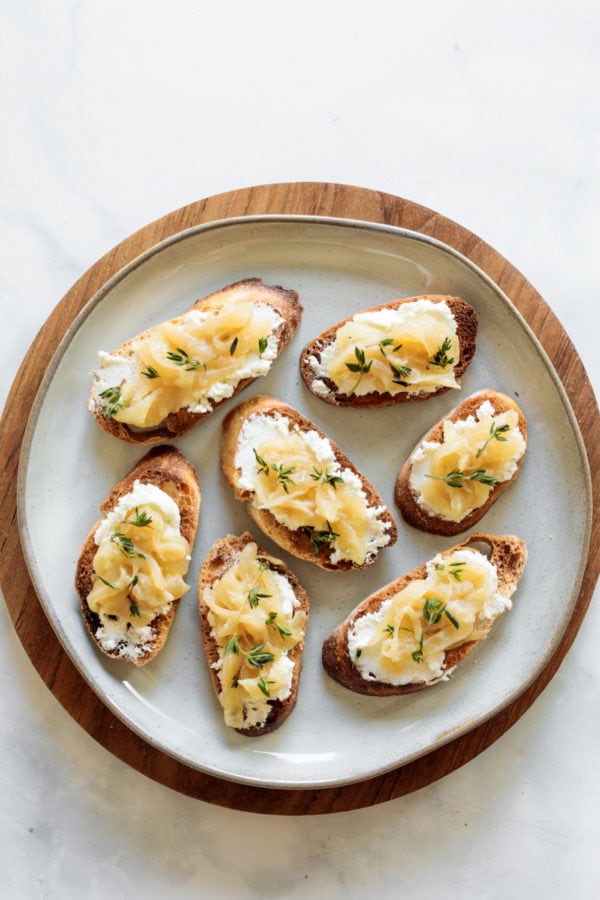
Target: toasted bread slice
{"x": 362, "y": 669}
{"x": 301, "y": 489}
{"x": 167, "y": 379}
{"x": 443, "y": 490}
{"x": 410, "y": 349}
{"x": 261, "y": 605}
{"x": 125, "y": 623}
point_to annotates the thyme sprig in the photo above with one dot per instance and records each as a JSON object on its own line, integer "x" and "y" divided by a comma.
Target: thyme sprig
{"x": 263, "y": 466}
{"x": 183, "y": 358}
{"x": 318, "y": 538}
{"x": 387, "y": 342}
{"x": 456, "y": 478}
{"x": 141, "y": 519}
{"x": 399, "y": 373}
{"x": 256, "y": 656}
{"x": 134, "y": 609}
{"x": 151, "y": 372}
{"x": 361, "y": 366}
{"x": 440, "y": 357}
{"x": 283, "y": 631}
{"x": 255, "y": 596}
{"x": 319, "y": 475}
{"x": 496, "y": 434}
{"x": 114, "y": 403}
{"x": 434, "y": 609}
{"x": 125, "y": 545}
{"x": 282, "y": 473}
{"x": 454, "y": 569}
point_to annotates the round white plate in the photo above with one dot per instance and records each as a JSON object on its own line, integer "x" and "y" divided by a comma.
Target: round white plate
{"x": 333, "y": 737}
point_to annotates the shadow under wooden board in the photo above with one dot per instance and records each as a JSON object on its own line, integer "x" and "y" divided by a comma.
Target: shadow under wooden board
{"x": 40, "y": 642}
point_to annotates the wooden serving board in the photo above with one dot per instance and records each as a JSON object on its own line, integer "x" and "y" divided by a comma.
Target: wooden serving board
{"x": 38, "y": 639}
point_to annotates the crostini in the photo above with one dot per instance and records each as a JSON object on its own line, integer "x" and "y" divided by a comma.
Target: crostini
{"x": 301, "y": 489}
{"x": 167, "y": 379}
{"x": 131, "y": 569}
{"x": 463, "y": 464}
{"x": 410, "y": 349}
{"x": 414, "y": 632}
{"x": 253, "y": 615}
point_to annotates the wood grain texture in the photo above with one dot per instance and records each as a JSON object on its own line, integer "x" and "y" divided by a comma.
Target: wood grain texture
{"x": 44, "y": 650}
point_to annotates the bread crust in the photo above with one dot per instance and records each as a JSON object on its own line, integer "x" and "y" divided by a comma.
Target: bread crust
{"x": 295, "y": 542}
{"x": 223, "y": 555}
{"x": 466, "y": 329}
{"x": 407, "y": 499}
{"x": 168, "y": 469}
{"x": 283, "y": 301}
{"x": 507, "y": 552}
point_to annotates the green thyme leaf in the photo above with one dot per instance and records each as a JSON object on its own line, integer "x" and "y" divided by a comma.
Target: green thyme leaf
{"x": 233, "y": 346}
{"x": 496, "y": 434}
{"x": 400, "y": 374}
{"x": 264, "y": 685}
{"x": 333, "y": 480}
{"x": 263, "y": 343}
{"x": 114, "y": 404}
{"x": 182, "y": 358}
{"x": 283, "y": 631}
{"x": 434, "y": 609}
{"x": 452, "y": 619}
{"x": 386, "y": 342}
{"x": 263, "y": 467}
{"x": 134, "y": 608}
{"x": 283, "y": 475}
{"x": 361, "y": 365}
{"x": 254, "y": 596}
{"x": 232, "y": 646}
{"x": 257, "y": 657}
{"x": 480, "y": 475}
{"x": 141, "y": 519}
{"x": 417, "y": 655}
{"x": 319, "y": 538}
{"x": 454, "y": 569}
{"x": 107, "y": 583}
{"x": 456, "y": 478}
{"x": 151, "y": 372}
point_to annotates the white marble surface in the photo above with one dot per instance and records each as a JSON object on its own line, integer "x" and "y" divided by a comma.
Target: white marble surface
{"x": 115, "y": 113}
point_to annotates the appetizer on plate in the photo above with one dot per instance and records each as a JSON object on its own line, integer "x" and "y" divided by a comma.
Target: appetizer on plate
{"x": 412, "y": 633}
{"x": 130, "y": 574}
{"x": 410, "y": 349}
{"x": 463, "y": 464}
{"x": 300, "y": 487}
{"x": 165, "y": 380}
{"x": 253, "y": 615}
